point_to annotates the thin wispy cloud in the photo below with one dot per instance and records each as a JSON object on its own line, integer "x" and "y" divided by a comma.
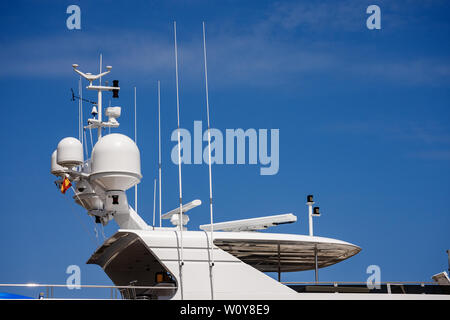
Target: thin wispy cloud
{"x": 317, "y": 16}
{"x": 252, "y": 56}
{"x": 439, "y": 155}
{"x": 430, "y": 140}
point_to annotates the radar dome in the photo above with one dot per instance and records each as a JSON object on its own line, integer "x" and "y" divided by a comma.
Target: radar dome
{"x": 69, "y": 152}
{"x": 116, "y": 162}
{"x": 55, "y": 168}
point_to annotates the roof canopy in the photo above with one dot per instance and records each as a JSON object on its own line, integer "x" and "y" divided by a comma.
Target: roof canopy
{"x": 273, "y": 255}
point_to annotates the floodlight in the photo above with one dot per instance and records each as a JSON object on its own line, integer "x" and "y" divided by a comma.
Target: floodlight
{"x": 316, "y": 212}
{"x": 115, "y": 91}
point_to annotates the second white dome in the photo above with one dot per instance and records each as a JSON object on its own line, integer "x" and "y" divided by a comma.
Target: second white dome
{"x": 116, "y": 162}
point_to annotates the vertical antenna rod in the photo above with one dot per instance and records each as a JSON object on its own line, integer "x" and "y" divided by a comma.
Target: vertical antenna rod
{"x": 209, "y": 147}
{"x": 154, "y": 202}
{"x": 101, "y": 57}
{"x": 135, "y": 141}
{"x": 81, "y": 111}
{"x": 159, "y": 153}
{"x": 99, "y": 129}
{"x": 179, "y": 157}
{"x": 80, "y": 114}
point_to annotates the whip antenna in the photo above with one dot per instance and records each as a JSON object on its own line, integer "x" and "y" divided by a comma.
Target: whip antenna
{"x": 135, "y": 141}
{"x": 159, "y": 152}
{"x": 179, "y": 157}
{"x": 154, "y": 202}
{"x": 211, "y": 243}
{"x": 209, "y": 147}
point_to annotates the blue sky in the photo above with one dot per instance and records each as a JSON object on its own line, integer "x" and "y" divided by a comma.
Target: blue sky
{"x": 364, "y": 120}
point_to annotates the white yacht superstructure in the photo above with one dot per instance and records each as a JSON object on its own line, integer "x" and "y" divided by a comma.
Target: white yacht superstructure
{"x": 226, "y": 260}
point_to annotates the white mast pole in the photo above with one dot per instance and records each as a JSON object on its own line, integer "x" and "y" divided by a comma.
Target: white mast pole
{"x": 99, "y": 106}
{"x": 179, "y": 158}
{"x": 79, "y": 113}
{"x": 159, "y": 153}
{"x": 211, "y": 243}
{"x": 209, "y": 147}
{"x": 135, "y": 141}
{"x": 154, "y": 202}
{"x": 310, "y": 220}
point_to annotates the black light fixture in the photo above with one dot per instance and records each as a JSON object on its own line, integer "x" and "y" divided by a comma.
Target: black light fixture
{"x": 115, "y": 91}
{"x": 309, "y": 198}
{"x": 316, "y": 212}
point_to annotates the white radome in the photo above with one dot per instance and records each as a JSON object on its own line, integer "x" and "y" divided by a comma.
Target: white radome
{"x": 69, "y": 152}
{"x": 55, "y": 168}
{"x": 116, "y": 162}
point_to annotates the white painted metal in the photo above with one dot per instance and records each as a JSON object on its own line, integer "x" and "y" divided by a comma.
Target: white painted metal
{"x": 179, "y": 161}
{"x": 252, "y": 224}
{"x": 113, "y": 113}
{"x": 159, "y": 154}
{"x": 69, "y": 152}
{"x": 130, "y": 220}
{"x": 240, "y": 257}
{"x": 310, "y": 218}
{"x": 135, "y": 141}
{"x": 116, "y": 162}
{"x": 211, "y": 238}
{"x": 99, "y": 102}
{"x": 154, "y": 201}
{"x": 55, "y": 168}
{"x": 90, "y": 77}
{"x": 186, "y": 207}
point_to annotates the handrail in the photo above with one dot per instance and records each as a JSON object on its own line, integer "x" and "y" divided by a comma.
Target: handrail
{"x": 363, "y": 283}
{"x": 126, "y": 291}
{"x": 33, "y": 285}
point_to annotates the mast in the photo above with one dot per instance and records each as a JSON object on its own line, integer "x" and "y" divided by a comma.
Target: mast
{"x": 135, "y": 141}
{"x": 99, "y": 106}
{"x": 154, "y": 202}
{"x": 159, "y": 153}
{"x": 80, "y": 114}
{"x": 179, "y": 159}
{"x": 211, "y": 243}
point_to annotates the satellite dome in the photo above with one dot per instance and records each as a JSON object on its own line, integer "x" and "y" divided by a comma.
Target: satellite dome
{"x": 116, "y": 162}
{"x": 69, "y": 152}
{"x": 55, "y": 168}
